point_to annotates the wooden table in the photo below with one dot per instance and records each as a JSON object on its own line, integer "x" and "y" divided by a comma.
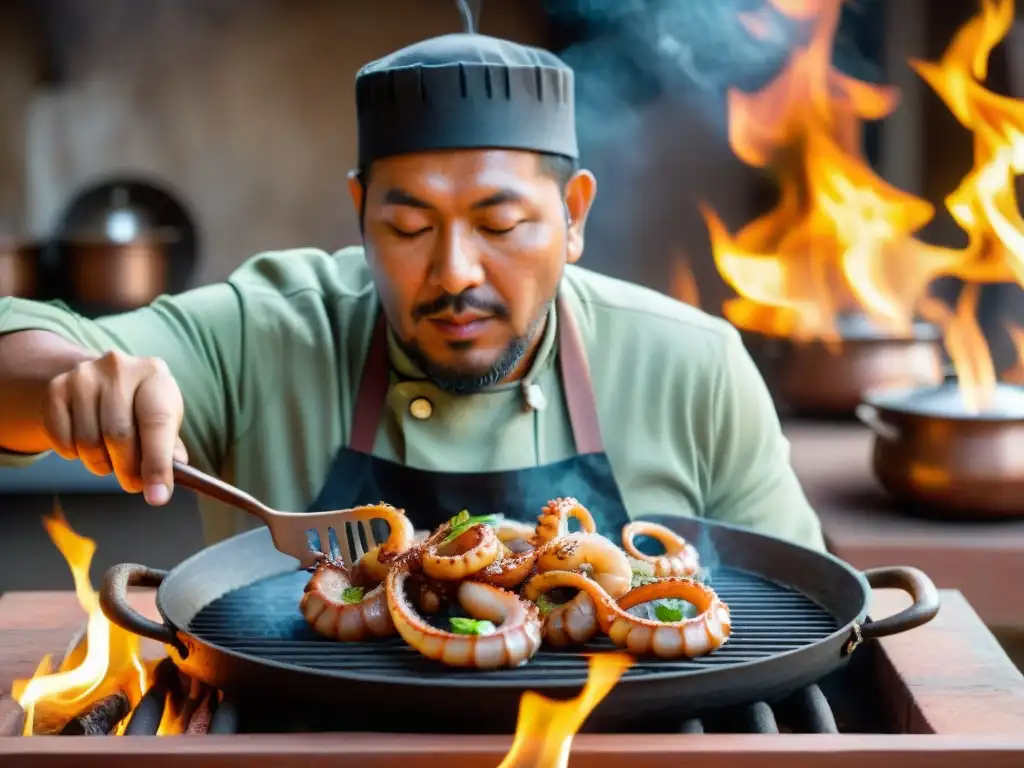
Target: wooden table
{"x": 866, "y": 528}
{"x": 949, "y": 689}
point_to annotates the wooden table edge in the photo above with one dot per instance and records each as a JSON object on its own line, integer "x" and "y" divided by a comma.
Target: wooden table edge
{"x": 592, "y": 751}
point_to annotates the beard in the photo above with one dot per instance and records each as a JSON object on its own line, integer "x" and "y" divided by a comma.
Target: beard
{"x": 463, "y": 382}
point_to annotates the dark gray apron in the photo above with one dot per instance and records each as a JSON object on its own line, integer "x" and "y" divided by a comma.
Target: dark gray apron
{"x": 429, "y": 498}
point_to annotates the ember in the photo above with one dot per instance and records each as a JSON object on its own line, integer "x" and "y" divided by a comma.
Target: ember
{"x": 546, "y": 728}
{"x": 841, "y": 240}
{"x": 111, "y": 665}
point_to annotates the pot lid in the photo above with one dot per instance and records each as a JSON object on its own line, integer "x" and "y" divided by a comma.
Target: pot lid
{"x": 119, "y": 221}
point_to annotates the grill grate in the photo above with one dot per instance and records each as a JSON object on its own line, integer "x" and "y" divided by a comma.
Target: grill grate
{"x": 263, "y": 621}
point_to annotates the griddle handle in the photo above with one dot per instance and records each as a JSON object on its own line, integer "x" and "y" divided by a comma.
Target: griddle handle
{"x": 912, "y": 581}
{"x": 115, "y": 606}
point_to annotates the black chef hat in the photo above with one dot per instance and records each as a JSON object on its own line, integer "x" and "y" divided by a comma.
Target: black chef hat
{"x": 464, "y": 91}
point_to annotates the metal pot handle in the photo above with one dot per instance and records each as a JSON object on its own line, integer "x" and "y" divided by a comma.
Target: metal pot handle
{"x": 115, "y": 606}
{"x": 870, "y": 417}
{"x": 917, "y": 584}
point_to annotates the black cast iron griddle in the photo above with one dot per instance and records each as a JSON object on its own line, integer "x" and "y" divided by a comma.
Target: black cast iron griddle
{"x": 232, "y": 620}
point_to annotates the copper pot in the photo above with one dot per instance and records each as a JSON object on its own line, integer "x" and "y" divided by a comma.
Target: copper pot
{"x": 812, "y": 378}
{"x": 19, "y": 269}
{"x": 123, "y": 276}
{"x": 942, "y": 462}
{"x": 118, "y": 256}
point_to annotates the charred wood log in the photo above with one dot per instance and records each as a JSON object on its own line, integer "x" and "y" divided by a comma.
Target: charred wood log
{"x": 101, "y": 719}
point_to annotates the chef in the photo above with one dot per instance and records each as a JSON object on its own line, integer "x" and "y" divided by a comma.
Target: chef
{"x": 460, "y": 359}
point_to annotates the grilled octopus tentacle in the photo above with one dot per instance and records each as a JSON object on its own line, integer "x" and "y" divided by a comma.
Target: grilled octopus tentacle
{"x": 373, "y": 566}
{"x": 514, "y": 642}
{"x": 553, "y": 520}
{"x": 471, "y": 552}
{"x": 608, "y": 565}
{"x": 324, "y": 606}
{"x": 690, "y": 638}
{"x": 571, "y": 623}
{"x": 680, "y": 557}
{"x": 512, "y": 567}
{"x": 508, "y": 572}
{"x": 513, "y": 530}
{"x": 575, "y": 622}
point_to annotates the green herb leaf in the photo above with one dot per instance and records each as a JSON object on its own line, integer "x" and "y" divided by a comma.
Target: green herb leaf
{"x": 462, "y": 522}
{"x": 352, "y": 595}
{"x": 463, "y": 626}
{"x": 671, "y": 609}
{"x": 545, "y": 605}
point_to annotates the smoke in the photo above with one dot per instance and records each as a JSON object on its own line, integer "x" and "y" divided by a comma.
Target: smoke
{"x": 652, "y": 79}
{"x": 628, "y": 53}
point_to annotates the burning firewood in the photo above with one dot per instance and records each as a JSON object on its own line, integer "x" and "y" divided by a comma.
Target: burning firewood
{"x": 101, "y": 719}
{"x": 12, "y": 717}
{"x": 200, "y": 722}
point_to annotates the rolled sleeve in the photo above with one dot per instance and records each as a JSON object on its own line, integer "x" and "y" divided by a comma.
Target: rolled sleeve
{"x": 753, "y": 483}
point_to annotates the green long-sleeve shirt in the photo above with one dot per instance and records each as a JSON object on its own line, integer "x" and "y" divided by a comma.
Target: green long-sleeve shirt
{"x": 269, "y": 361}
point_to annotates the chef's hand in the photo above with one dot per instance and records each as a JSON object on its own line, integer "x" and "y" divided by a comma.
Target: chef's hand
{"x": 119, "y": 414}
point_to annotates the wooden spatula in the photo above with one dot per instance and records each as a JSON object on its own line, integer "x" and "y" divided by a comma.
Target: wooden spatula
{"x": 289, "y": 530}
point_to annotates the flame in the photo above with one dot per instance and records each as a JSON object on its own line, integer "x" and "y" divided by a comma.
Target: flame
{"x": 112, "y": 659}
{"x": 985, "y": 204}
{"x": 546, "y": 727}
{"x": 1016, "y": 373}
{"x": 842, "y": 240}
{"x": 966, "y": 345}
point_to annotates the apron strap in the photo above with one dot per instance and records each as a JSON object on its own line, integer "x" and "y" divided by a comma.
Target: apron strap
{"x": 373, "y": 390}
{"x": 371, "y": 397}
{"x": 576, "y": 383}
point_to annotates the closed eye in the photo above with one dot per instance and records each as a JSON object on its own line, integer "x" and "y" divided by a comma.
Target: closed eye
{"x": 496, "y": 231}
{"x": 408, "y": 235}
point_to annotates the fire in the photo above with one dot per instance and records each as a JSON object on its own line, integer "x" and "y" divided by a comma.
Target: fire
{"x": 985, "y": 204}
{"x": 842, "y": 240}
{"x": 966, "y": 344}
{"x": 1016, "y": 374}
{"x": 112, "y": 660}
{"x": 546, "y": 727}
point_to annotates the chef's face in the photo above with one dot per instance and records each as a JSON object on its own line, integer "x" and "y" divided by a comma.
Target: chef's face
{"x": 467, "y": 249}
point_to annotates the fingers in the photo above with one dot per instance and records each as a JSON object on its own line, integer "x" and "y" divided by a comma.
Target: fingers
{"x": 57, "y": 419}
{"x": 84, "y": 387}
{"x": 117, "y": 424}
{"x": 158, "y": 413}
{"x": 119, "y": 414}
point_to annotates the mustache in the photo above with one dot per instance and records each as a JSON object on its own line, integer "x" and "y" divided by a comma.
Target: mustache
{"x": 459, "y": 302}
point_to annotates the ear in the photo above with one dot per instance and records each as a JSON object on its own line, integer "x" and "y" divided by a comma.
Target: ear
{"x": 579, "y": 196}
{"x": 356, "y": 190}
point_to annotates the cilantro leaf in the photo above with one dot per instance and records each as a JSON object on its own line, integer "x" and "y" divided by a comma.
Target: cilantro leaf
{"x": 352, "y": 595}
{"x": 464, "y": 626}
{"x": 462, "y": 522}
{"x": 545, "y": 605}
{"x": 672, "y": 609}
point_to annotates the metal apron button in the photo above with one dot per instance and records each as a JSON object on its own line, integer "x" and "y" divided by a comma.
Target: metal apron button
{"x": 421, "y": 408}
